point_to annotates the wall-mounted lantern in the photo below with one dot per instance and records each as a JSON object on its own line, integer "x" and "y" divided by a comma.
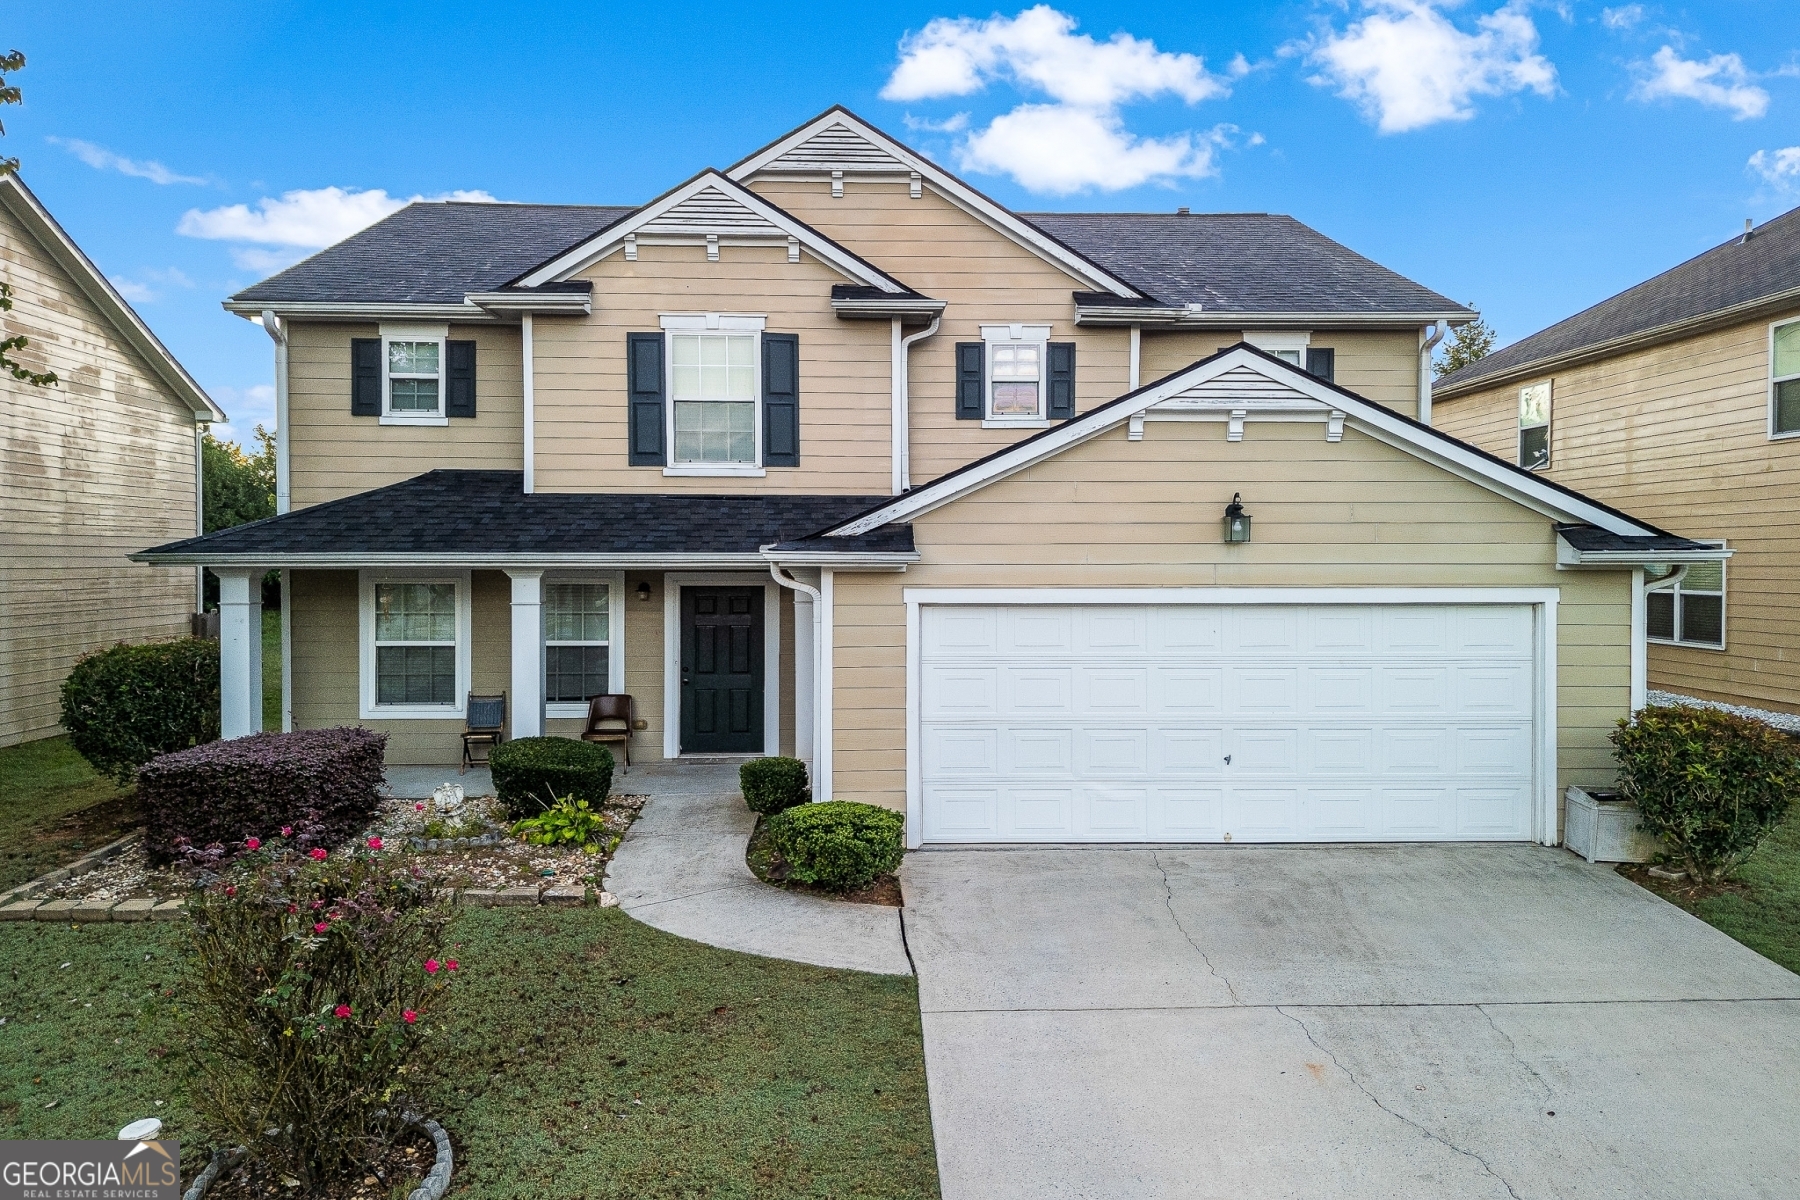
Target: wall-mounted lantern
{"x": 1237, "y": 521}
{"x": 643, "y": 591}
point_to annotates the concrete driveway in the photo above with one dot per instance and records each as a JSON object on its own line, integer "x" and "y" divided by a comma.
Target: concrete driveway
{"x": 1406, "y": 1021}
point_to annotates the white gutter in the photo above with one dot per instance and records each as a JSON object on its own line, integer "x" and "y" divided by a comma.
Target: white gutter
{"x": 277, "y": 331}
{"x": 525, "y": 303}
{"x": 1199, "y": 318}
{"x": 917, "y": 308}
{"x": 199, "y": 509}
{"x": 902, "y": 352}
{"x": 1427, "y": 344}
{"x": 1569, "y": 556}
{"x": 476, "y": 561}
{"x": 340, "y": 311}
{"x": 530, "y": 393}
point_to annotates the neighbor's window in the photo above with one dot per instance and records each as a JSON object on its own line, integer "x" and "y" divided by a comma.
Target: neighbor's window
{"x": 1016, "y": 381}
{"x": 712, "y": 384}
{"x": 1692, "y": 613}
{"x": 414, "y": 377}
{"x": 415, "y": 643}
{"x": 1785, "y": 375}
{"x": 1534, "y": 426}
{"x": 577, "y": 625}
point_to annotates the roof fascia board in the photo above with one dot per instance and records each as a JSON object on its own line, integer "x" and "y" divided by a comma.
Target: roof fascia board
{"x": 1675, "y": 331}
{"x": 1568, "y": 556}
{"x": 1365, "y": 415}
{"x": 583, "y": 255}
{"x": 549, "y": 303}
{"x": 755, "y": 560}
{"x": 331, "y": 310}
{"x": 946, "y": 185}
{"x": 883, "y": 309}
{"x": 31, "y": 213}
{"x": 1210, "y": 319}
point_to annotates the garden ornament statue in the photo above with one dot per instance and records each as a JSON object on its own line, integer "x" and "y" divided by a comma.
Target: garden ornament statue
{"x": 448, "y": 798}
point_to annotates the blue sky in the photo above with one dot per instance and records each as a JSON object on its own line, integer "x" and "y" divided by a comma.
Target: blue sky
{"x": 1530, "y": 158}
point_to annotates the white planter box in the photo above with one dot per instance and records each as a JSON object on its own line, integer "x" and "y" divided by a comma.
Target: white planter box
{"x": 1603, "y": 828}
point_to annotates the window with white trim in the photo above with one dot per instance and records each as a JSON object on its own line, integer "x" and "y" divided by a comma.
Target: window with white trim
{"x": 415, "y": 645}
{"x": 1534, "y": 426}
{"x": 1691, "y": 612}
{"x": 1784, "y": 378}
{"x": 577, "y": 642}
{"x": 414, "y": 384}
{"x": 714, "y": 394}
{"x": 1017, "y": 372}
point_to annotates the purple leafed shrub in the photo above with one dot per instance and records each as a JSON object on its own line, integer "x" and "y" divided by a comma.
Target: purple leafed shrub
{"x": 324, "y": 781}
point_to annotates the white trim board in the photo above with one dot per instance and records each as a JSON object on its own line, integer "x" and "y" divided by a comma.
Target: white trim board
{"x": 673, "y": 582}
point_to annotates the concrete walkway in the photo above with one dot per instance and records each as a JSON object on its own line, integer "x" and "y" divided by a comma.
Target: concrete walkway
{"x": 681, "y": 869}
{"x": 1404, "y": 1022}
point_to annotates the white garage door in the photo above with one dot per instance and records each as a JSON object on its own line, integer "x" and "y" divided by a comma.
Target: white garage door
{"x": 1177, "y": 723}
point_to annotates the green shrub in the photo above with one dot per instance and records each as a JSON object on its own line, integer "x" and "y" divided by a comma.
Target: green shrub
{"x": 840, "y": 845}
{"x": 125, "y": 705}
{"x": 1712, "y": 784}
{"x": 530, "y": 773}
{"x": 568, "y": 822}
{"x": 313, "y": 985}
{"x": 772, "y": 785}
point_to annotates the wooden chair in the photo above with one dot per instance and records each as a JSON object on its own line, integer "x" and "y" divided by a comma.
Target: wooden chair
{"x": 609, "y": 720}
{"x": 484, "y": 722}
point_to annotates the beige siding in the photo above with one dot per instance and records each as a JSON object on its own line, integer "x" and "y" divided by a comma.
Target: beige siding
{"x": 333, "y": 454}
{"x": 1378, "y": 365}
{"x": 846, "y": 390}
{"x": 1116, "y": 513}
{"x": 1678, "y": 435}
{"x": 91, "y": 471}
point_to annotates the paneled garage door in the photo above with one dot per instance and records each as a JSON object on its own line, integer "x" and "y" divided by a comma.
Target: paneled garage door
{"x": 1177, "y": 723}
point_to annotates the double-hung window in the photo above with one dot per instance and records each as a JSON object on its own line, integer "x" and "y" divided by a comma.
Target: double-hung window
{"x": 577, "y": 642}
{"x": 1534, "y": 426}
{"x": 1784, "y": 379}
{"x": 1017, "y": 371}
{"x": 415, "y": 376}
{"x": 415, "y": 645}
{"x": 712, "y": 388}
{"x": 1691, "y": 612}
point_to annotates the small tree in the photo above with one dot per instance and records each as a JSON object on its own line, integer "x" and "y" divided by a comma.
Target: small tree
{"x": 239, "y": 487}
{"x": 10, "y": 94}
{"x": 1469, "y": 343}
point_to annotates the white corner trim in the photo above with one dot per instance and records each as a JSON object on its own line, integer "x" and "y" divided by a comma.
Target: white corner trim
{"x": 287, "y": 652}
{"x": 1640, "y": 650}
{"x": 823, "y": 778}
{"x": 528, "y": 372}
{"x": 368, "y": 709}
{"x": 673, "y": 582}
{"x": 1549, "y": 708}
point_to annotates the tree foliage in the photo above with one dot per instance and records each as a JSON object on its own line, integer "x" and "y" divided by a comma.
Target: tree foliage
{"x": 10, "y": 94}
{"x": 239, "y": 487}
{"x": 1469, "y": 343}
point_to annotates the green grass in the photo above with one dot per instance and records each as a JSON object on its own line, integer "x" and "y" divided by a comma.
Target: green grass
{"x": 271, "y": 665}
{"x": 594, "y": 1057}
{"x": 53, "y": 807}
{"x": 1765, "y": 917}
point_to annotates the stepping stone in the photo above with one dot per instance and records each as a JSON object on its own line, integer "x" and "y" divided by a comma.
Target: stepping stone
{"x": 565, "y": 894}
{"x": 19, "y": 910}
{"x": 168, "y": 910}
{"x": 92, "y": 910}
{"x": 55, "y": 910}
{"x": 133, "y": 910}
{"x": 479, "y": 897}
{"x": 516, "y": 896}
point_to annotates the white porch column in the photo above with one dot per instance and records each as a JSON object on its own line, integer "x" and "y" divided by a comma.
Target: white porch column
{"x": 240, "y": 650}
{"x": 805, "y": 711}
{"x": 526, "y": 705}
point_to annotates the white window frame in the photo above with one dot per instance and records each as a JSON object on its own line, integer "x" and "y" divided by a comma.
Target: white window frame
{"x": 1015, "y": 335}
{"x": 1676, "y": 590}
{"x": 1778, "y": 435}
{"x": 1549, "y": 424}
{"x": 1282, "y": 342}
{"x": 369, "y": 709}
{"x": 722, "y": 323}
{"x": 415, "y": 333}
{"x": 615, "y": 636}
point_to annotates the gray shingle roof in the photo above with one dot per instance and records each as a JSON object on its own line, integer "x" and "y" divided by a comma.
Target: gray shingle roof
{"x": 1737, "y": 273}
{"x": 436, "y": 252}
{"x": 1240, "y": 262}
{"x": 1586, "y": 537}
{"x": 478, "y": 513}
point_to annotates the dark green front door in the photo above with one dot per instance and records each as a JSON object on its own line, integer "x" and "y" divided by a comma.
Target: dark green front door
{"x": 721, "y": 670}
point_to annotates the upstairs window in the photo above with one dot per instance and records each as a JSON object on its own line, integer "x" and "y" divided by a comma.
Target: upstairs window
{"x": 712, "y": 386}
{"x": 1534, "y": 426}
{"x": 1016, "y": 382}
{"x": 415, "y": 378}
{"x": 1784, "y": 376}
{"x": 1692, "y": 612}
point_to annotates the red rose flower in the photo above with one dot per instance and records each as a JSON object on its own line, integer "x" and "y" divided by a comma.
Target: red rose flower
{"x": 318, "y": 854}
{"x": 321, "y": 927}
{"x": 374, "y": 843}
{"x": 287, "y": 831}
{"x": 341, "y": 1012}
{"x": 252, "y": 843}
{"x": 431, "y": 966}
{"x": 450, "y": 963}
{"x": 409, "y": 1016}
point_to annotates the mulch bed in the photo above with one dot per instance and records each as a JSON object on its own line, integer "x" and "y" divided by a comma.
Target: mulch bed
{"x": 394, "y": 1171}
{"x": 766, "y": 863}
{"x": 1677, "y": 891}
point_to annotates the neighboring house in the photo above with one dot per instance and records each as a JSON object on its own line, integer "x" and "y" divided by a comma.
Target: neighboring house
{"x": 1678, "y": 399}
{"x": 830, "y": 454}
{"x": 91, "y": 468}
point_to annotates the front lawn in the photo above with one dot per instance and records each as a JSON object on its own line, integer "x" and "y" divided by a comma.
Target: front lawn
{"x": 594, "y": 1057}
{"x": 1764, "y": 912}
{"x": 54, "y": 807}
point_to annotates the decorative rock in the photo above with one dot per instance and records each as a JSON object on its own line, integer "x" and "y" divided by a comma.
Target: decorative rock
{"x": 55, "y": 910}
{"x": 444, "y": 895}
{"x": 168, "y": 910}
{"x": 516, "y": 896}
{"x": 133, "y": 910}
{"x": 480, "y": 897}
{"x": 565, "y": 894}
{"x": 92, "y": 910}
{"x": 608, "y": 900}
{"x": 19, "y": 910}
{"x": 1672, "y": 874}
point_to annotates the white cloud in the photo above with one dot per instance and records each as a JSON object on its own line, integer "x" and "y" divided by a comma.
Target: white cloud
{"x": 1623, "y": 17}
{"x": 1079, "y": 140}
{"x": 247, "y": 407}
{"x": 102, "y": 159}
{"x": 954, "y": 123}
{"x": 1780, "y": 168}
{"x": 301, "y": 219}
{"x": 1721, "y": 81}
{"x": 137, "y": 293}
{"x": 1407, "y": 66}
{"x": 142, "y": 290}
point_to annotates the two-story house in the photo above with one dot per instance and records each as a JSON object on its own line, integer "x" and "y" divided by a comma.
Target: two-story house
{"x": 91, "y": 468}
{"x": 1678, "y": 398}
{"x": 1040, "y": 527}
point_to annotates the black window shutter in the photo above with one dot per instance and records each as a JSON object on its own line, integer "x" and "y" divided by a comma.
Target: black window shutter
{"x": 1062, "y": 381}
{"x": 1322, "y": 363}
{"x": 971, "y": 375}
{"x": 644, "y": 382}
{"x": 781, "y": 399}
{"x": 459, "y": 379}
{"x": 365, "y": 377}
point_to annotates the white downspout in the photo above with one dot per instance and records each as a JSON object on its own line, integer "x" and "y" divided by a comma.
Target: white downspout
{"x": 278, "y": 334}
{"x": 200, "y": 428}
{"x": 806, "y": 673}
{"x": 1429, "y": 337}
{"x": 902, "y": 406}
{"x": 530, "y": 403}
{"x": 1137, "y": 341}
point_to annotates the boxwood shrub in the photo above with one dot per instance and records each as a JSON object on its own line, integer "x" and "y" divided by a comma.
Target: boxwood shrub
{"x": 325, "y": 782}
{"x": 1712, "y": 784}
{"x": 772, "y": 785}
{"x": 840, "y": 845}
{"x": 127, "y": 704}
{"x": 532, "y": 773}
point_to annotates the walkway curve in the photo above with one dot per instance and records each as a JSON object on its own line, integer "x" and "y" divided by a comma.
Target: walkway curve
{"x": 681, "y": 869}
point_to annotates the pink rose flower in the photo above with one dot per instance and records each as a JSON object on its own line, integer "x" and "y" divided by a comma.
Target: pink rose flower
{"x": 431, "y": 966}
{"x": 292, "y": 909}
{"x": 409, "y": 1016}
{"x": 252, "y": 843}
{"x": 374, "y": 843}
{"x": 450, "y": 963}
{"x": 230, "y": 890}
{"x": 418, "y": 808}
{"x": 318, "y": 854}
{"x": 320, "y": 927}
{"x": 318, "y": 904}
{"x": 341, "y": 1012}
{"x": 287, "y": 831}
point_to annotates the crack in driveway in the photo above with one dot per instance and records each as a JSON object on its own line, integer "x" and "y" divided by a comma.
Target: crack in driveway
{"x": 1169, "y": 903}
{"x": 1513, "y": 1046}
